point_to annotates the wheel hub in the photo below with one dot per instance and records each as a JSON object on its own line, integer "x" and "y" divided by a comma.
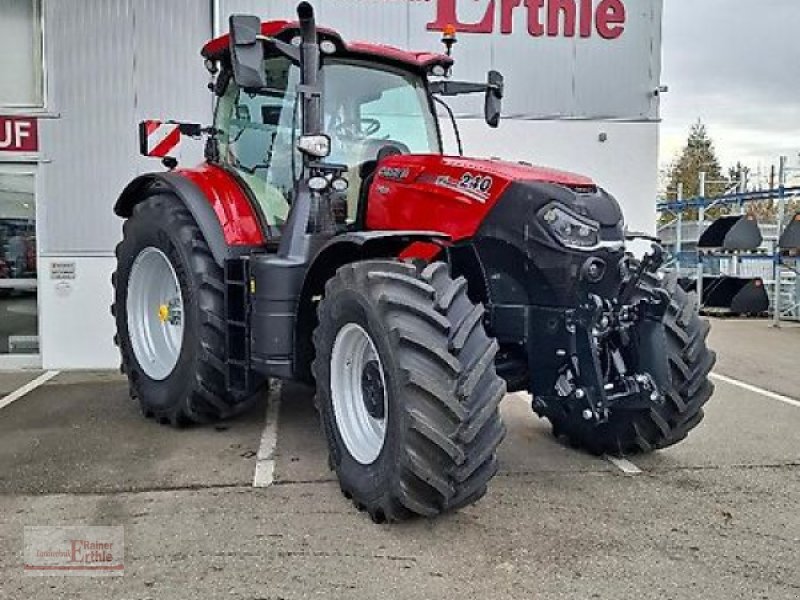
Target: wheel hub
{"x": 372, "y": 389}
{"x": 170, "y": 312}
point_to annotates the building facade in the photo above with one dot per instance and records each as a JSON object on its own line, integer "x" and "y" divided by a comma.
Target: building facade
{"x": 582, "y": 81}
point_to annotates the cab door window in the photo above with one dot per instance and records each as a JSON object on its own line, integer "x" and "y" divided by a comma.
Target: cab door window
{"x": 257, "y": 138}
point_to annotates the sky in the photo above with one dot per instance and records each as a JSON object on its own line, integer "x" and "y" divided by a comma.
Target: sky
{"x": 735, "y": 64}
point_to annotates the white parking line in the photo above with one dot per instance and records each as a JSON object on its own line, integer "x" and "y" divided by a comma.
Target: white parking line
{"x": 28, "y": 387}
{"x": 756, "y": 389}
{"x": 624, "y": 465}
{"x": 265, "y": 462}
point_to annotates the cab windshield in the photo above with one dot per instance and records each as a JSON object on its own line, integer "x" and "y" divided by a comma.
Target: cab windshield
{"x": 366, "y": 106}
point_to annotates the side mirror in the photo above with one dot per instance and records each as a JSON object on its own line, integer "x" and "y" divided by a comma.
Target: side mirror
{"x": 494, "y": 99}
{"x": 247, "y": 52}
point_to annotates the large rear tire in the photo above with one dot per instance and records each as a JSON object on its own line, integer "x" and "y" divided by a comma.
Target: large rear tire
{"x": 169, "y": 311}
{"x": 641, "y": 430}
{"x": 406, "y": 389}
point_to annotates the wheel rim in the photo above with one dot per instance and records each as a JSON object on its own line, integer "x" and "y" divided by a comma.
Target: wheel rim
{"x": 155, "y": 313}
{"x": 358, "y": 391}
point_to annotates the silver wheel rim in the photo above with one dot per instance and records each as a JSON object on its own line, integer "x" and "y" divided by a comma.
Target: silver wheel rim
{"x": 358, "y": 391}
{"x": 155, "y": 313}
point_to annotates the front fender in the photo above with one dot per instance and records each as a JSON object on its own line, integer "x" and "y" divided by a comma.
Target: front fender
{"x": 339, "y": 251}
{"x": 362, "y": 245}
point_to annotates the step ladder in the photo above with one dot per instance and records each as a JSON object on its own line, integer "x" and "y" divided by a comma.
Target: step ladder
{"x": 237, "y": 339}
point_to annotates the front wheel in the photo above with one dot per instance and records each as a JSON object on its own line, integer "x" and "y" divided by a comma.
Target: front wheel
{"x": 406, "y": 389}
{"x": 639, "y": 430}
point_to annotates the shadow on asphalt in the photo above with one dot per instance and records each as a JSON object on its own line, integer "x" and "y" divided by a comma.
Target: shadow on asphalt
{"x": 85, "y": 435}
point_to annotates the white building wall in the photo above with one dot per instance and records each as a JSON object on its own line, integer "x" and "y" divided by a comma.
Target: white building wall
{"x": 561, "y": 92}
{"x": 625, "y": 164}
{"x": 547, "y": 77}
{"x": 111, "y": 63}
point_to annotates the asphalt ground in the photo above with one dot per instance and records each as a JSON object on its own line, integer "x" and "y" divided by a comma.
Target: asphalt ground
{"x": 717, "y": 517}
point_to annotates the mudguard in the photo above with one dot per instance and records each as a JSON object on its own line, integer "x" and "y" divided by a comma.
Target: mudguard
{"x": 337, "y": 252}
{"x": 223, "y": 213}
{"x": 361, "y": 245}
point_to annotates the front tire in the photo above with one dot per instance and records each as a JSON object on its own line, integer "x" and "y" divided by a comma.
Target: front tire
{"x": 406, "y": 389}
{"x": 643, "y": 430}
{"x": 169, "y": 311}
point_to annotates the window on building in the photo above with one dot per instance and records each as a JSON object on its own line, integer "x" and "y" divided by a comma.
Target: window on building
{"x": 18, "y": 306}
{"x": 21, "y": 53}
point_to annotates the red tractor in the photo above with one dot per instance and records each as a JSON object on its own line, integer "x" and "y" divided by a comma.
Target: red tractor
{"x": 328, "y": 239}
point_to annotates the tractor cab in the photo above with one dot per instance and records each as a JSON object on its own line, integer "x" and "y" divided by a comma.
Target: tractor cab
{"x": 370, "y": 110}
{"x": 377, "y": 102}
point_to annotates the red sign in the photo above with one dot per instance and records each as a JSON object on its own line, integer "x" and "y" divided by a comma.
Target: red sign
{"x": 19, "y": 134}
{"x": 544, "y": 17}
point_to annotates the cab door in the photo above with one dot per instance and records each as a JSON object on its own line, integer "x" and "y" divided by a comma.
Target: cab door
{"x": 257, "y": 134}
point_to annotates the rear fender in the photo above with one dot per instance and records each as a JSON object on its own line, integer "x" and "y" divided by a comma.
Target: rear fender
{"x": 220, "y": 208}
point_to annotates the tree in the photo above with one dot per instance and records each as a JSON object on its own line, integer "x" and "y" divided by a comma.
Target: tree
{"x": 697, "y": 156}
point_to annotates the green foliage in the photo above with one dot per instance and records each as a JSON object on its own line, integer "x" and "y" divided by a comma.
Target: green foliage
{"x": 697, "y": 156}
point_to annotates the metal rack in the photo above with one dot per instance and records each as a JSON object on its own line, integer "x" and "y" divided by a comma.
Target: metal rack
{"x": 780, "y": 273}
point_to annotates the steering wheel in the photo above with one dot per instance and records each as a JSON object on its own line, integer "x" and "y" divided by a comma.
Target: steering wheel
{"x": 369, "y": 126}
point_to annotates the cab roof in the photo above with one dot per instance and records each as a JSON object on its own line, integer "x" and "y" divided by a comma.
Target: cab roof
{"x": 219, "y": 47}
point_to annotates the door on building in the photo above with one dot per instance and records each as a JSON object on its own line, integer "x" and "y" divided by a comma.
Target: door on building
{"x": 18, "y": 304}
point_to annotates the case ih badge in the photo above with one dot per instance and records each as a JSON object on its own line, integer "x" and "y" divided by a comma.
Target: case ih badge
{"x": 158, "y": 139}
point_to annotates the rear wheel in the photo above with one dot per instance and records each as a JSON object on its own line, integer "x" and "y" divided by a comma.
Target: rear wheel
{"x": 169, "y": 311}
{"x": 406, "y": 388}
{"x": 638, "y": 430}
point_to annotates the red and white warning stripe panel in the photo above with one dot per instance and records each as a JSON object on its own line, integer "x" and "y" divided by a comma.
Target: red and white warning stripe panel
{"x": 157, "y": 139}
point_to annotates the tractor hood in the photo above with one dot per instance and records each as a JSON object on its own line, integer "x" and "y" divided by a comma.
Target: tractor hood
{"x": 455, "y": 194}
{"x": 500, "y": 170}
{"x": 519, "y": 171}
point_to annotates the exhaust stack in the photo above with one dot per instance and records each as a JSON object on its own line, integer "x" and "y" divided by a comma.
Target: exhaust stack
{"x": 309, "y": 65}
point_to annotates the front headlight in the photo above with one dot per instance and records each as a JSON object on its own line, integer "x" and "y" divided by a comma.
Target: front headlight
{"x": 571, "y": 230}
